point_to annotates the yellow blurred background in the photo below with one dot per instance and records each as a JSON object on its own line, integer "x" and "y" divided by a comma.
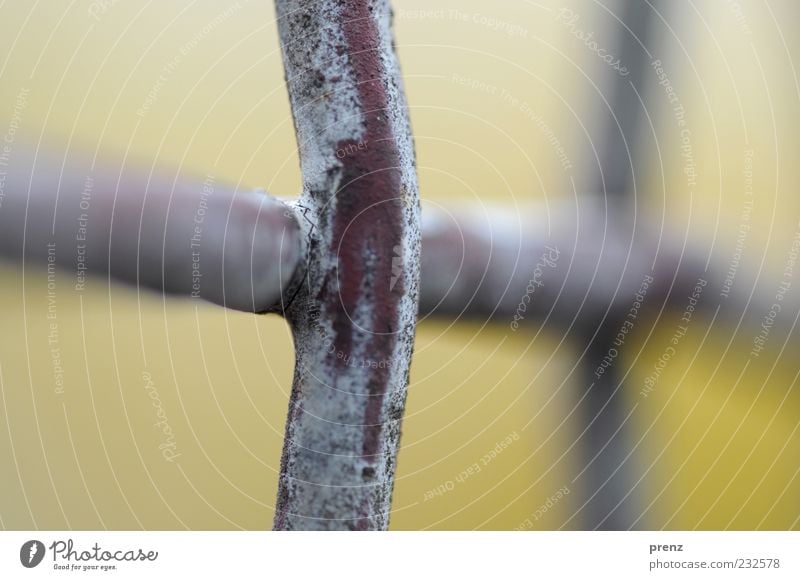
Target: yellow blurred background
{"x": 199, "y": 85}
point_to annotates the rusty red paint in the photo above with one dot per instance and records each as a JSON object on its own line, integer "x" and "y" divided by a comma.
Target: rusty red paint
{"x": 352, "y": 361}
{"x": 371, "y": 178}
{"x": 367, "y": 223}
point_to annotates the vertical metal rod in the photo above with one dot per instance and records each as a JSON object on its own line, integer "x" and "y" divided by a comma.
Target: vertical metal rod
{"x": 354, "y": 316}
{"x": 608, "y": 477}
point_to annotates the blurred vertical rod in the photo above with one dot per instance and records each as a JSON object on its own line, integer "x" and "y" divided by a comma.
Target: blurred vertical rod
{"x": 609, "y": 478}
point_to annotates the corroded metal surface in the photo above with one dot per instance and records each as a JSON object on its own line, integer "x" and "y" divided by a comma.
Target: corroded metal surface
{"x": 354, "y": 315}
